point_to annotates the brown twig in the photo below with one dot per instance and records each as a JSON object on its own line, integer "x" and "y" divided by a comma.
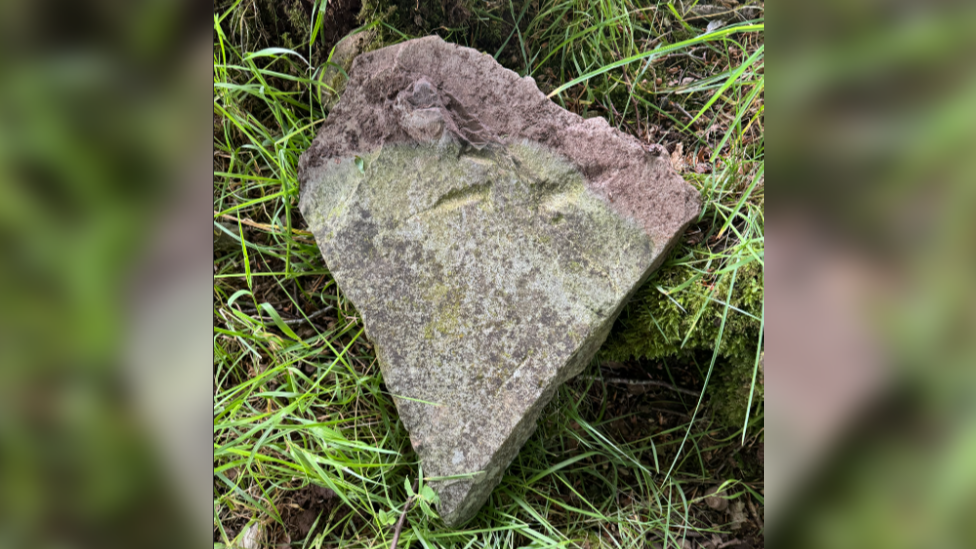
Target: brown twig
{"x": 643, "y": 382}
{"x": 683, "y": 111}
{"x": 277, "y": 229}
{"x": 634, "y": 103}
{"x": 672, "y": 412}
{"x": 310, "y": 318}
{"x": 403, "y": 518}
{"x": 755, "y": 514}
{"x": 293, "y": 321}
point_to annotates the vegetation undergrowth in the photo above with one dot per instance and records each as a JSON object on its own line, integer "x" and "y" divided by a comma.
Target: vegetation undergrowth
{"x": 308, "y": 450}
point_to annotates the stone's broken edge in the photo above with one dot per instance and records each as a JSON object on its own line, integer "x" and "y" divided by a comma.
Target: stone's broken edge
{"x": 463, "y": 504}
{"x": 635, "y": 180}
{"x": 461, "y": 499}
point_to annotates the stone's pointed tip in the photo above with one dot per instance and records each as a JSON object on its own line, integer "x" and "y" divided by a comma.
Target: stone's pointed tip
{"x": 488, "y": 238}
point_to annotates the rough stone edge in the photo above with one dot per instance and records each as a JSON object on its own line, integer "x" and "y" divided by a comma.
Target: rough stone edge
{"x": 526, "y": 427}
{"x": 630, "y": 200}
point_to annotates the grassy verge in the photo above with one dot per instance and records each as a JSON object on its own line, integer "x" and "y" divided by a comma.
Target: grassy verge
{"x": 307, "y": 446}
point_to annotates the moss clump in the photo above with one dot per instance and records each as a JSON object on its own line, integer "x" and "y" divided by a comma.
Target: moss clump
{"x": 654, "y": 326}
{"x": 731, "y": 394}
{"x": 418, "y": 18}
{"x": 258, "y": 24}
{"x": 481, "y": 25}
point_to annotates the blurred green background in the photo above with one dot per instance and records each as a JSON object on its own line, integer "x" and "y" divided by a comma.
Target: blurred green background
{"x": 100, "y": 137}
{"x": 872, "y": 326}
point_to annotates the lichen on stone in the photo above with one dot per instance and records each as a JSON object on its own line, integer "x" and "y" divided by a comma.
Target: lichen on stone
{"x": 489, "y": 302}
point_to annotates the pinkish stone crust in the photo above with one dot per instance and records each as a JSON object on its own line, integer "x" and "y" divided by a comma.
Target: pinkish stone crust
{"x": 635, "y": 180}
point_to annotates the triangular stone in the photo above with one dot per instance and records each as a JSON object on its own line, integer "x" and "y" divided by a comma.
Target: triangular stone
{"x": 488, "y": 238}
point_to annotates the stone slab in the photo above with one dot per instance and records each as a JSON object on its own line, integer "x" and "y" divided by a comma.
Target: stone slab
{"x": 488, "y": 238}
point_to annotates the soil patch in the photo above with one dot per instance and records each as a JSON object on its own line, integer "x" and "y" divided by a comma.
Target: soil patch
{"x": 312, "y": 507}
{"x": 288, "y": 23}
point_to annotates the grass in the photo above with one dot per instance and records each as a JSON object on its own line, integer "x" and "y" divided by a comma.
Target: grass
{"x": 298, "y": 395}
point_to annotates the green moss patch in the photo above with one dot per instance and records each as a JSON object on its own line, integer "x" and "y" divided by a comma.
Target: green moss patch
{"x": 679, "y": 311}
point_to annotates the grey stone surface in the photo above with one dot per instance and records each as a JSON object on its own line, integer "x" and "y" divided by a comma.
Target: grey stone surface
{"x": 487, "y": 237}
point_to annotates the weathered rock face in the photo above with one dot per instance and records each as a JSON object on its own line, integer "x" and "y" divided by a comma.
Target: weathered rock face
{"x": 333, "y": 79}
{"x": 487, "y": 237}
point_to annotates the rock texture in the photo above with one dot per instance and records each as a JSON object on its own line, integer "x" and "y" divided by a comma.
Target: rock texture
{"x": 487, "y": 237}
{"x": 333, "y": 76}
